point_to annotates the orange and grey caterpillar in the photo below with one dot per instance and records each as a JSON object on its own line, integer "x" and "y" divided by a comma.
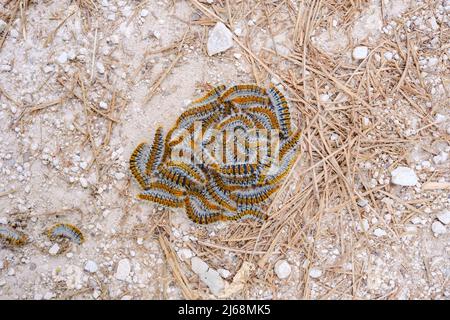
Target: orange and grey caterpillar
{"x": 65, "y": 230}
{"x": 12, "y": 236}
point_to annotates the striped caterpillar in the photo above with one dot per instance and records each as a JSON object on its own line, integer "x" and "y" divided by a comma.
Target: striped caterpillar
{"x": 246, "y": 149}
{"x": 65, "y": 230}
{"x": 12, "y": 236}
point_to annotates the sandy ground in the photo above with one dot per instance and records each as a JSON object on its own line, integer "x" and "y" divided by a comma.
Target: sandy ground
{"x": 83, "y": 82}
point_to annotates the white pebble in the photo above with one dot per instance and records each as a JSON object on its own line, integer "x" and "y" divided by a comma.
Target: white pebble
{"x": 224, "y": 273}
{"x": 438, "y": 228}
{"x": 444, "y": 216}
{"x": 3, "y": 25}
{"x": 90, "y": 266}
{"x": 123, "y": 269}
{"x": 103, "y": 105}
{"x": 144, "y": 13}
{"x": 84, "y": 182}
{"x": 388, "y": 55}
{"x": 119, "y": 175}
{"x": 220, "y": 39}
{"x": 185, "y": 253}
{"x": 315, "y": 273}
{"x": 54, "y": 249}
{"x": 360, "y": 52}
{"x": 100, "y": 67}
{"x": 438, "y": 118}
{"x": 62, "y": 58}
{"x": 49, "y": 295}
{"x": 404, "y": 176}
{"x": 198, "y": 265}
{"x": 379, "y": 232}
{"x": 213, "y": 280}
{"x": 282, "y": 269}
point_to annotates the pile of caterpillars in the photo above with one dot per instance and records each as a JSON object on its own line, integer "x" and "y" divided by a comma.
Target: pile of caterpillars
{"x": 224, "y": 157}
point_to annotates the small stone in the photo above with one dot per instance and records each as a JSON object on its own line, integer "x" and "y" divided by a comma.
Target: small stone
{"x": 115, "y": 39}
{"x": 388, "y": 55}
{"x": 54, "y": 249}
{"x": 5, "y": 68}
{"x": 49, "y": 295}
{"x": 238, "y": 32}
{"x": 48, "y": 68}
{"x": 444, "y": 216}
{"x": 123, "y": 269}
{"x": 185, "y": 254}
{"x": 440, "y": 158}
{"x": 362, "y": 203}
{"x": 224, "y": 273}
{"x": 198, "y": 265}
{"x": 438, "y": 228}
{"x": 439, "y": 118}
{"x": 365, "y": 224}
{"x": 84, "y": 182}
{"x": 220, "y": 39}
{"x": 315, "y": 273}
{"x": 83, "y": 165}
{"x": 62, "y": 58}
{"x": 404, "y": 176}
{"x": 100, "y": 67}
{"x": 144, "y": 13}
{"x": 103, "y": 105}
{"x": 324, "y": 97}
{"x": 90, "y": 266}
{"x": 360, "y": 52}
{"x": 2, "y": 26}
{"x": 282, "y": 269}
{"x": 213, "y": 280}
{"x": 379, "y": 232}
{"x": 119, "y": 175}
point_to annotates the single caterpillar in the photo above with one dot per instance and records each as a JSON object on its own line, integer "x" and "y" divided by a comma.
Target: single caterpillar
{"x": 12, "y": 236}
{"x": 66, "y": 230}
{"x": 247, "y": 148}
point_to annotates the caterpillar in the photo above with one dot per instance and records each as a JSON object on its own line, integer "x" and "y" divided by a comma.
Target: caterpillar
{"x": 66, "y": 230}
{"x": 156, "y": 153}
{"x": 224, "y": 158}
{"x": 253, "y": 196}
{"x": 200, "y": 214}
{"x": 138, "y": 164}
{"x": 162, "y": 197}
{"x": 281, "y": 109}
{"x": 251, "y": 212}
{"x": 12, "y": 236}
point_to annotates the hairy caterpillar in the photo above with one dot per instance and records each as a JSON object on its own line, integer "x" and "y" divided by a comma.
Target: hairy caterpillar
{"x": 12, "y": 236}
{"x": 66, "y": 230}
